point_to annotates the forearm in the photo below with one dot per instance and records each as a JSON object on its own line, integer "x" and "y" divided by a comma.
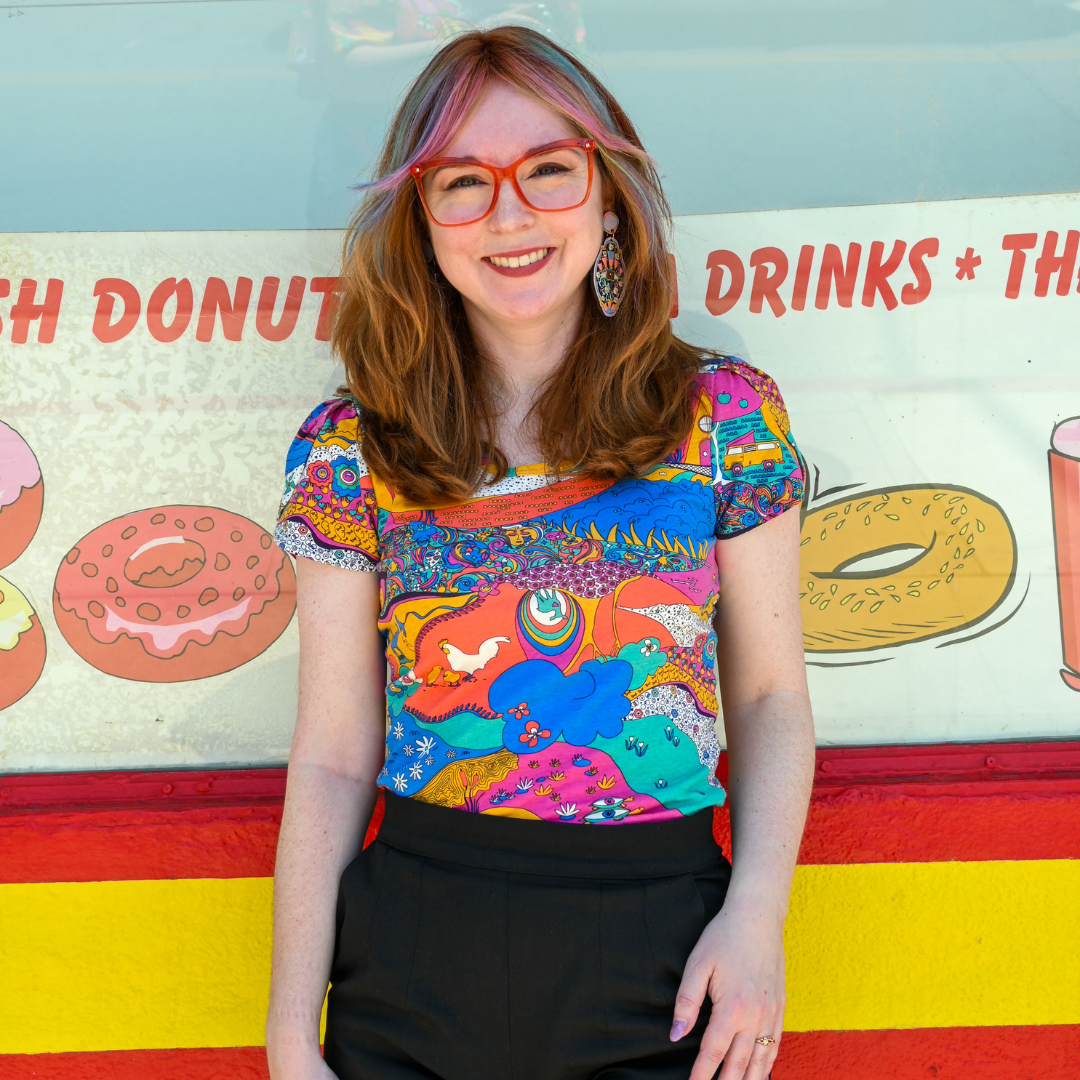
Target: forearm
{"x": 325, "y": 816}
{"x": 770, "y": 774}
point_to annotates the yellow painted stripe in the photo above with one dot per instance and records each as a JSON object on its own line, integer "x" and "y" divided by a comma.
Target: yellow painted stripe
{"x": 154, "y": 964}
{"x": 133, "y": 965}
{"x": 912, "y": 945}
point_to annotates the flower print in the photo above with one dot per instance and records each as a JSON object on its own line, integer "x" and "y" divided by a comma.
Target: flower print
{"x": 399, "y": 730}
{"x": 520, "y": 711}
{"x": 407, "y": 750}
{"x": 416, "y": 770}
{"x": 534, "y": 764}
{"x": 451, "y": 754}
{"x": 524, "y": 784}
{"x": 606, "y": 782}
{"x": 400, "y": 782}
{"x": 542, "y": 789}
{"x": 346, "y": 482}
{"x": 591, "y": 771}
{"x": 554, "y": 762}
{"x": 557, "y": 775}
{"x": 566, "y": 811}
{"x": 590, "y": 790}
{"x": 555, "y": 796}
{"x": 429, "y": 760}
{"x": 425, "y": 745}
{"x": 580, "y": 761}
{"x": 532, "y": 733}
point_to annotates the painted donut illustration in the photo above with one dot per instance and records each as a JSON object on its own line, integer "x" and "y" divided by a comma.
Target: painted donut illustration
{"x": 174, "y": 593}
{"x": 22, "y": 645}
{"x": 21, "y": 494}
{"x": 963, "y": 565}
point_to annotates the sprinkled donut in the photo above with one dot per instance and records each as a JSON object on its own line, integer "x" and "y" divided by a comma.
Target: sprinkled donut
{"x": 173, "y": 593}
{"x": 21, "y": 494}
{"x": 22, "y": 645}
{"x": 965, "y": 568}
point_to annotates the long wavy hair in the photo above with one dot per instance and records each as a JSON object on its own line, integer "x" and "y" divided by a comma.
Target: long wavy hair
{"x": 616, "y": 405}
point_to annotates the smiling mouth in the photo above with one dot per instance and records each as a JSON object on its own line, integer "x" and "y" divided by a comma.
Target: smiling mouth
{"x": 511, "y": 261}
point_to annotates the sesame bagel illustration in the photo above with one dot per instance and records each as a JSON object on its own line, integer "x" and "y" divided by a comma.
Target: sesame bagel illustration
{"x": 953, "y": 560}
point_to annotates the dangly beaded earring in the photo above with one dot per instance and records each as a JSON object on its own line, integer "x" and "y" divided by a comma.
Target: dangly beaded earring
{"x": 608, "y": 270}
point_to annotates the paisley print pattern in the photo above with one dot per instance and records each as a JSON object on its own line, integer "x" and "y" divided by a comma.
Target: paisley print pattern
{"x": 550, "y": 640}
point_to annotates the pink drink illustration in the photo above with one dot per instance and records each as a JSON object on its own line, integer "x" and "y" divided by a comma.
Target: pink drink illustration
{"x": 1065, "y": 497}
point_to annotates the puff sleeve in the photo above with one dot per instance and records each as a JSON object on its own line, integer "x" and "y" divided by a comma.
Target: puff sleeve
{"x": 757, "y": 471}
{"x": 328, "y": 510}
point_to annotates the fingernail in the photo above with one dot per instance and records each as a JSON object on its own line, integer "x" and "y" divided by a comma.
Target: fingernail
{"x": 678, "y": 1029}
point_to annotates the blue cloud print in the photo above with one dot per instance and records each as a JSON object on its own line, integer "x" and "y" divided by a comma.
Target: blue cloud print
{"x": 540, "y": 703}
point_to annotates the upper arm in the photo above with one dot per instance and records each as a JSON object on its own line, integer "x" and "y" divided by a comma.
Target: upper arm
{"x": 759, "y": 489}
{"x": 340, "y": 719}
{"x": 329, "y": 522}
{"x": 758, "y": 623}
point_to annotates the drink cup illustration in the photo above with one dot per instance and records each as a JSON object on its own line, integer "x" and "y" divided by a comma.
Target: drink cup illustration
{"x": 1065, "y": 497}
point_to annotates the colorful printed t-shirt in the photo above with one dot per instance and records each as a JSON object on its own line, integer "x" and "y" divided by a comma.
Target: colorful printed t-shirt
{"x": 550, "y": 644}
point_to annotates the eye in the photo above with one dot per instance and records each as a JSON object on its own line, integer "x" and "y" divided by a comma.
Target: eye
{"x": 465, "y": 182}
{"x": 548, "y": 168}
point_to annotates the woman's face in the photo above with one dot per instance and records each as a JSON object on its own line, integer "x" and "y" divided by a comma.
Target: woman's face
{"x": 504, "y": 126}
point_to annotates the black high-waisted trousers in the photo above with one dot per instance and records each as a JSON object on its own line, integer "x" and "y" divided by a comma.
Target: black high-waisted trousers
{"x": 472, "y": 947}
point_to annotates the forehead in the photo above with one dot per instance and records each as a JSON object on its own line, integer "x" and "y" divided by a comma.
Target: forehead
{"x": 506, "y": 123}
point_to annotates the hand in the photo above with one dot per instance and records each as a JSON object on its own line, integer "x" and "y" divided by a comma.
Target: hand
{"x": 291, "y": 1059}
{"x": 739, "y": 960}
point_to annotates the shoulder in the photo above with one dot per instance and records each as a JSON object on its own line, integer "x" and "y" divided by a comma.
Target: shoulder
{"x": 332, "y": 424}
{"x": 728, "y": 379}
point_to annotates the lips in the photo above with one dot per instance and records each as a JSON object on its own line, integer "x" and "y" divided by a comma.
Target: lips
{"x": 528, "y": 261}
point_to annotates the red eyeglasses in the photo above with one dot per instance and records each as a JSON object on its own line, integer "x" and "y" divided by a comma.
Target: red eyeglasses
{"x": 455, "y": 191}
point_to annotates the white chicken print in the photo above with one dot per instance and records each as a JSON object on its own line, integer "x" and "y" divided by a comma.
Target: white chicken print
{"x": 469, "y": 663}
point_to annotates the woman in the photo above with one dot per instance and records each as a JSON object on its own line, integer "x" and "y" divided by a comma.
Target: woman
{"x": 505, "y": 301}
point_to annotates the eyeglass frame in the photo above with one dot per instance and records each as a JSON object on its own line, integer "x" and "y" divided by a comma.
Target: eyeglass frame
{"x": 503, "y": 172}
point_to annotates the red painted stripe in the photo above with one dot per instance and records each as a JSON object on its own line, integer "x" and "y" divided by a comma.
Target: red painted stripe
{"x": 874, "y": 804}
{"x": 1000, "y": 819}
{"x": 157, "y": 789}
{"x": 124, "y": 845}
{"x": 978, "y": 1053}
{"x": 233, "y": 1063}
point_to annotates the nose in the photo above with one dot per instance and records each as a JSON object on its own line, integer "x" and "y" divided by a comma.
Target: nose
{"x": 510, "y": 212}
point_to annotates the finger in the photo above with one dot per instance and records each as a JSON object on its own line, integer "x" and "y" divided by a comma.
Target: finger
{"x": 715, "y": 1044}
{"x": 695, "y": 982}
{"x": 748, "y": 1059}
{"x": 739, "y": 1058}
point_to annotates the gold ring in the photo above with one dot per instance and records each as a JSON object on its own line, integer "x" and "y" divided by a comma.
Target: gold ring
{"x": 765, "y": 1040}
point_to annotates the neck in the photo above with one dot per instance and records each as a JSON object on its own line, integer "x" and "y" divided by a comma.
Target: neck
{"x": 525, "y": 352}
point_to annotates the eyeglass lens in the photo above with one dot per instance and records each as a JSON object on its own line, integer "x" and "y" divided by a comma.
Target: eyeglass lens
{"x": 552, "y": 180}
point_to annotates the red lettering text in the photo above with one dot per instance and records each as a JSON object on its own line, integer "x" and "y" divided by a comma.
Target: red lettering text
{"x": 1051, "y": 263}
{"x": 765, "y": 284}
{"x": 185, "y": 304}
{"x": 716, "y": 264}
{"x": 833, "y": 269}
{"x": 917, "y": 293}
{"x": 878, "y": 273}
{"x": 327, "y": 309}
{"x": 233, "y": 309}
{"x": 802, "y": 277}
{"x": 1017, "y": 243}
{"x": 106, "y": 290}
{"x": 264, "y": 313}
{"x": 24, "y": 311}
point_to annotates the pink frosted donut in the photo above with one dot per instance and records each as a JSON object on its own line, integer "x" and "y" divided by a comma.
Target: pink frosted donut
{"x": 173, "y": 593}
{"x": 22, "y": 645}
{"x": 21, "y": 494}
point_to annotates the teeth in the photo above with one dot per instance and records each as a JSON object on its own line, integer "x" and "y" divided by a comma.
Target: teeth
{"x": 520, "y": 260}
